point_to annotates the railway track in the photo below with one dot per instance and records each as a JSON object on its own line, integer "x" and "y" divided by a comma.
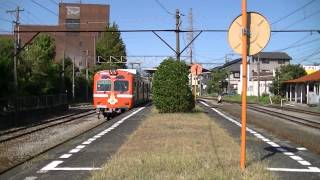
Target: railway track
{"x": 20, "y": 132}
{"x": 297, "y": 110}
{"x": 299, "y": 120}
{"x": 276, "y": 107}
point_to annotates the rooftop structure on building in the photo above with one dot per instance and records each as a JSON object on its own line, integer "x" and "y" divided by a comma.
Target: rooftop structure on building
{"x": 78, "y": 46}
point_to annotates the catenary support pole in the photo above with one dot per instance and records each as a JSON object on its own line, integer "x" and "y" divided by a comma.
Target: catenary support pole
{"x": 244, "y": 84}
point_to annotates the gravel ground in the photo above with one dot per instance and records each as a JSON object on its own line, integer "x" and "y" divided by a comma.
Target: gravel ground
{"x": 18, "y": 150}
{"x": 305, "y": 136}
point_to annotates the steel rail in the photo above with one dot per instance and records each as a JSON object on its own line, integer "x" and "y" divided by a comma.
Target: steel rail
{"x": 47, "y": 126}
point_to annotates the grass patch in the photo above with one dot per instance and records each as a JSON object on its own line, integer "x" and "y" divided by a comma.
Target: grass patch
{"x": 180, "y": 146}
{"x": 250, "y": 99}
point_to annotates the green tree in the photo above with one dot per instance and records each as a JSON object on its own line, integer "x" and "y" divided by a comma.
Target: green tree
{"x": 171, "y": 92}
{"x": 217, "y": 82}
{"x": 6, "y": 67}
{"x": 38, "y": 73}
{"x": 110, "y": 44}
{"x": 285, "y": 73}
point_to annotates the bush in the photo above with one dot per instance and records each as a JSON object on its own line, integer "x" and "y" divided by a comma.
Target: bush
{"x": 171, "y": 92}
{"x": 276, "y": 99}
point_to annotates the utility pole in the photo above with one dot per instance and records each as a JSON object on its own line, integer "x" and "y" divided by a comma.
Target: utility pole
{"x": 190, "y": 35}
{"x": 63, "y": 83}
{"x": 87, "y": 76}
{"x": 16, "y": 44}
{"x": 94, "y": 50}
{"x": 258, "y": 69}
{"x": 177, "y": 34}
{"x": 73, "y": 85}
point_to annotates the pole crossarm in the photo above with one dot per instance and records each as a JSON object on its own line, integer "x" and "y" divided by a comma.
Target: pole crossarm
{"x": 165, "y": 42}
{"x": 190, "y": 42}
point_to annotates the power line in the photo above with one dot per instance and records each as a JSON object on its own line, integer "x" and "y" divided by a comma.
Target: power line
{"x": 43, "y": 7}
{"x": 6, "y": 20}
{"x": 164, "y": 8}
{"x": 173, "y": 30}
{"x": 54, "y": 2}
{"x": 309, "y": 56}
{"x": 286, "y": 16}
{"x": 294, "y": 43}
{"x": 302, "y": 19}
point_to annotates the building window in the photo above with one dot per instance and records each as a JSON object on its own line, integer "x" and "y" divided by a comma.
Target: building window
{"x": 265, "y": 61}
{"x": 72, "y": 24}
{"x": 236, "y": 75}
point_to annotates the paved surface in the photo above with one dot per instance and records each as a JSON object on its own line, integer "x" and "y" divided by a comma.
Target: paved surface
{"x": 77, "y": 158}
{"x": 287, "y": 160}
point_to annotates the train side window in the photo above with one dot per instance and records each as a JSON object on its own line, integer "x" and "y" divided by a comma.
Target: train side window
{"x": 104, "y": 85}
{"x": 121, "y": 85}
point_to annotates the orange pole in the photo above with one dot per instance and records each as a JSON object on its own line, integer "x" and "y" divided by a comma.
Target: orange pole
{"x": 244, "y": 84}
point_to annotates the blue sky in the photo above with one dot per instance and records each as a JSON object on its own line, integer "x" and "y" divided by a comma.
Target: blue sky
{"x": 207, "y": 14}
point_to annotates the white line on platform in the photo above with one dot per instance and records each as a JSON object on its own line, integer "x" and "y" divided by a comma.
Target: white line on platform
{"x": 87, "y": 142}
{"x": 52, "y": 166}
{"x": 65, "y": 156}
{"x": 74, "y": 169}
{"x": 295, "y": 170}
{"x": 273, "y": 144}
{"x": 301, "y": 148}
{"x": 297, "y": 158}
{"x": 74, "y": 150}
{"x": 31, "y": 178}
{"x": 288, "y": 153}
{"x": 305, "y": 163}
{"x": 80, "y": 147}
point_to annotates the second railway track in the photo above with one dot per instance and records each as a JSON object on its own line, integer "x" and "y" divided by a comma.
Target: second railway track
{"x": 299, "y": 120}
{"x": 14, "y": 134}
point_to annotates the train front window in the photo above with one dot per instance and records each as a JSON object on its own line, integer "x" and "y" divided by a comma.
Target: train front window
{"x": 104, "y": 85}
{"x": 121, "y": 85}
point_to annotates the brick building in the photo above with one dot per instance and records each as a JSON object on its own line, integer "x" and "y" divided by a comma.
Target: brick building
{"x": 79, "y": 46}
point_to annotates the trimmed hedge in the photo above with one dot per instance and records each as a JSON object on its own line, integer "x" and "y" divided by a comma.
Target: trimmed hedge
{"x": 170, "y": 91}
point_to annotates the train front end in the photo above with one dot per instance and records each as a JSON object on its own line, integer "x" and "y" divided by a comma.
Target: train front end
{"x": 113, "y": 92}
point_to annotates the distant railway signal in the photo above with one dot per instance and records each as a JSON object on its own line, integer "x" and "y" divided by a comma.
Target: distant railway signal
{"x": 196, "y": 69}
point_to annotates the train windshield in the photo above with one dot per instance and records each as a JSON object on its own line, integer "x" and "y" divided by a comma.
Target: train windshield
{"x": 104, "y": 85}
{"x": 121, "y": 85}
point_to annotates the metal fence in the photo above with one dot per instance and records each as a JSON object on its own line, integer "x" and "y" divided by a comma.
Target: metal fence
{"x": 28, "y": 103}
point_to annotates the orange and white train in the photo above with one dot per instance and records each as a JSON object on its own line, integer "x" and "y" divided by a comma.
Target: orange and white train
{"x": 116, "y": 91}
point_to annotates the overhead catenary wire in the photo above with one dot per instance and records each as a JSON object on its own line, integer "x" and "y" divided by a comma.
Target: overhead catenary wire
{"x": 43, "y": 7}
{"x": 302, "y": 19}
{"x": 54, "y": 2}
{"x": 170, "y": 30}
{"x": 6, "y": 20}
{"x": 294, "y": 44}
{"x": 309, "y": 56}
{"x": 293, "y": 12}
{"x": 164, "y": 8}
